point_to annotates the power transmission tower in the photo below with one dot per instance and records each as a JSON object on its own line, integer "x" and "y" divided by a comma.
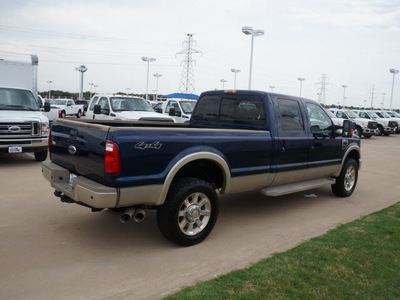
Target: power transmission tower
{"x": 186, "y": 84}
{"x": 372, "y": 96}
{"x": 322, "y": 90}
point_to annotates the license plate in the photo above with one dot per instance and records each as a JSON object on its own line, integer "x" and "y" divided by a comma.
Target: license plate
{"x": 71, "y": 178}
{"x": 14, "y": 149}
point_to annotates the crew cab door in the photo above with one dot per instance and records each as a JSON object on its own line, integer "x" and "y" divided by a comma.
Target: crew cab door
{"x": 325, "y": 151}
{"x": 293, "y": 142}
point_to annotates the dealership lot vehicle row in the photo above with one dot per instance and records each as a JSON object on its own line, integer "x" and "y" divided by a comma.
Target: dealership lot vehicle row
{"x": 50, "y": 249}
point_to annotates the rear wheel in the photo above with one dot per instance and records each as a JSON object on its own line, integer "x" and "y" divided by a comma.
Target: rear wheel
{"x": 78, "y": 115}
{"x": 41, "y": 155}
{"x": 189, "y": 212}
{"x": 347, "y": 180}
{"x": 63, "y": 114}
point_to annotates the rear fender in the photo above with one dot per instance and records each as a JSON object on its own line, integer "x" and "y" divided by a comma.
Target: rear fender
{"x": 202, "y": 155}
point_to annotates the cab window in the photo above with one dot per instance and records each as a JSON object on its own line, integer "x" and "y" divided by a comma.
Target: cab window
{"x": 290, "y": 115}
{"x": 232, "y": 109}
{"x": 104, "y": 106}
{"x": 93, "y": 103}
{"x": 172, "y": 104}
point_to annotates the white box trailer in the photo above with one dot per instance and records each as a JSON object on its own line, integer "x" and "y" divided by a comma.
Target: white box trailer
{"x": 19, "y": 72}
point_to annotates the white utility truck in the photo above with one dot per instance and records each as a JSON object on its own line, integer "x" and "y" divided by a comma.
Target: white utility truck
{"x": 23, "y": 126}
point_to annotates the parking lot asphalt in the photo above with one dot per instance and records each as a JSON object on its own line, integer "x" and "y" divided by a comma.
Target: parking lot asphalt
{"x": 53, "y": 250}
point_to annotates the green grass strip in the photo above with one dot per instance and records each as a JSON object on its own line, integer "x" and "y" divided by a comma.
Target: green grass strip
{"x": 358, "y": 260}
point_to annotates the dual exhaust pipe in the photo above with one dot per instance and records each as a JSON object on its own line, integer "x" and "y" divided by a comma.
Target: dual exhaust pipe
{"x": 136, "y": 214}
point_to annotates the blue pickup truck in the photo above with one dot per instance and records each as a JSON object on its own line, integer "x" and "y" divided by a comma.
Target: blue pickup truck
{"x": 235, "y": 141}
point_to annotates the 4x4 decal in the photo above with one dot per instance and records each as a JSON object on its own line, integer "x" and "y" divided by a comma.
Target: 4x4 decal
{"x": 143, "y": 145}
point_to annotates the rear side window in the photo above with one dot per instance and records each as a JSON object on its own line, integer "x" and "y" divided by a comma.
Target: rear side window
{"x": 231, "y": 109}
{"x": 291, "y": 119}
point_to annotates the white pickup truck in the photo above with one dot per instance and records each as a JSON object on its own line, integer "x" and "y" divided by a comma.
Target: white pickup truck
{"x": 67, "y": 107}
{"x": 180, "y": 109}
{"x": 121, "y": 107}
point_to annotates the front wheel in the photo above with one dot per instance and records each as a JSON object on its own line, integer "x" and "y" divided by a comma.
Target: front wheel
{"x": 358, "y": 131}
{"x": 78, "y": 115}
{"x": 347, "y": 180}
{"x": 189, "y": 212}
{"x": 380, "y": 130}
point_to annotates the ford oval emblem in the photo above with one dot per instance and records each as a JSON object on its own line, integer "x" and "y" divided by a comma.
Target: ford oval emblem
{"x": 14, "y": 129}
{"x": 71, "y": 149}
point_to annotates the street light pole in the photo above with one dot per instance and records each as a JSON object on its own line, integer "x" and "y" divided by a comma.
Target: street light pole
{"x": 156, "y": 75}
{"x": 81, "y": 69}
{"x": 344, "y": 93}
{"x": 383, "y": 99}
{"x": 394, "y": 71}
{"x": 223, "y": 83}
{"x": 234, "y": 81}
{"x": 301, "y": 79}
{"x": 272, "y": 88}
{"x": 49, "y": 82}
{"x": 148, "y": 60}
{"x": 91, "y": 85}
{"x": 253, "y": 32}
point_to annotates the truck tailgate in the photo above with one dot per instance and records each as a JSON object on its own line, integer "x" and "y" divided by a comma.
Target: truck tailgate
{"x": 79, "y": 147}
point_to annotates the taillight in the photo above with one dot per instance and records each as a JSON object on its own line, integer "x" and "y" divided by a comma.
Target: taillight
{"x": 59, "y": 114}
{"x": 112, "y": 161}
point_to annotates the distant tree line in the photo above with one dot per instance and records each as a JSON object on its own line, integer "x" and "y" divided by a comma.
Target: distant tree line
{"x": 56, "y": 94}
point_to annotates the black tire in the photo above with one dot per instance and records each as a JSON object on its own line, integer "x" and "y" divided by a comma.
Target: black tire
{"x": 380, "y": 130}
{"x": 189, "y": 212}
{"x": 358, "y": 131}
{"x": 78, "y": 115}
{"x": 63, "y": 114}
{"x": 347, "y": 180}
{"x": 41, "y": 155}
{"x": 367, "y": 136}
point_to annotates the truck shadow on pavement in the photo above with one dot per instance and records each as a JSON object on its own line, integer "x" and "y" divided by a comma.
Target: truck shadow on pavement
{"x": 7, "y": 159}
{"x": 238, "y": 213}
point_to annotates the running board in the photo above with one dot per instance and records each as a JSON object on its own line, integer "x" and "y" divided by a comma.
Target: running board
{"x": 290, "y": 188}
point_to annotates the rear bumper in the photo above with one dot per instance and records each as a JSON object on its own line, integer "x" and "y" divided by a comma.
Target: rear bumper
{"x": 90, "y": 193}
{"x": 80, "y": 189}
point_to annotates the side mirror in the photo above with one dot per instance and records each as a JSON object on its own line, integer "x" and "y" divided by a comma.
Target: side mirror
{"x": 46, "y": 106}
{"x": 172, "y": 112}
{"x": 348, "y": 128}
{"x": 159, "y": 110}
{"x": 97, "y": 109}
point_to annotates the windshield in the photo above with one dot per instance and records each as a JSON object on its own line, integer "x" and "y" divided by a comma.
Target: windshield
{"x": 130, "y": 104}
{"x": 373, "y": 115}
{"x": 330, "y": 114}
{"x": 58, "y": 102}
{"x": 352, "y": 114}
{"x": 385, "y": 114}
{"x": 188, "y": 106}
{"x": 14, "y": 99}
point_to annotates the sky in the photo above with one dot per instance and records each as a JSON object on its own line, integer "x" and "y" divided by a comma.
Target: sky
{"x": 353, "y": 42}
